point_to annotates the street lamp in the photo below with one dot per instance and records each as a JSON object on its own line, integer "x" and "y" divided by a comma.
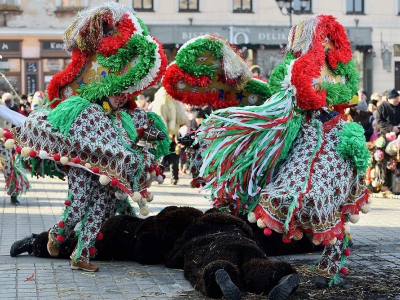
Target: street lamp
{"x": 289, "y": 8}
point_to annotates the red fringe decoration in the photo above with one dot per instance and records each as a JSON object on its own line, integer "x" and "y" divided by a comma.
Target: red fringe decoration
{"x": 62, "y": 78}
{"x": 308, "y": 66}
{"x": 305, "y": 69}
{"x": 174, "y": 74}
{"x": 110, "y": 45}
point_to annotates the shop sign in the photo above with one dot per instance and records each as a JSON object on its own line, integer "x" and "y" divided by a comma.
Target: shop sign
{"x": 53, "y": 46}
{"x": 9, "y": 46}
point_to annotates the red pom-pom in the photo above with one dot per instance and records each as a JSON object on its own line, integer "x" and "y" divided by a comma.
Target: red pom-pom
{"x": 163, "y": 176}
{"x": 99, "y": 236}
{"x": 346, "y": 252}
{"x": 96, "y": 170}
{"x": 114, "y": 182}
{"x": 286, "y": 240}
{"x": 340, "y": 236}
{"x": 57, "y": 157}
{"x": 8, "y": 135}
{"x": 268, "y": 232}
{"x": 18, "y": 149}
{"x": 151, "y": 169}
{"x": 77, "y": 160}
{"x": 92, "y": 250}
{"x": 67, "y": 202}
{"x": 61, "y": 224}
{"x": 32, "y": 153}
{"x": 197, "y": 185}
{"x": 344, "y": 271}
{"x": 60, "y": 238}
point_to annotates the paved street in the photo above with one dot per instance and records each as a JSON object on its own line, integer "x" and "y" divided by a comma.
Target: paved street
{"x": 376, "y": 238}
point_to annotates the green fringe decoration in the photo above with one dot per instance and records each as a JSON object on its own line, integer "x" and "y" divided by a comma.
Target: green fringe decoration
{"x": 62, "y": 117}
{"x": 144, "y": 27}
{"x": 125, "y": 205}
{"x": 225, "y": 142}
{"x": 279, "y": 73}
{"x": 128, "y": 125}
{"x": 260, "y": 88}
{"x": 162, "y": 146}
{"x": 352, "y": 145}
{"x": 339, "y": 93}
{"x": 113, "y": 84}
{"x": 187, "y": 57}
{"x": 43, "y": 168}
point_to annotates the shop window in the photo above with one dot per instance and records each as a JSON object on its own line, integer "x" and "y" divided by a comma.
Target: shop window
{"x": 189, "y": 5}
{"x": 242, "y": 6}
{"x": 143, "y": 5}
{"x": 354, "y": 7}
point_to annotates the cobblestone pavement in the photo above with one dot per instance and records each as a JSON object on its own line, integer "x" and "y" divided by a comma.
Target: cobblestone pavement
{"x": 376, "y": 237}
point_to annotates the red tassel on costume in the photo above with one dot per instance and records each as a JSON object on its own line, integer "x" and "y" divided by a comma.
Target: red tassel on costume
{"x": 60, "y": 238}
{"x": 61, "y": 224}
{"x": 344, "y": 271}
{"x": 67, "y": 202}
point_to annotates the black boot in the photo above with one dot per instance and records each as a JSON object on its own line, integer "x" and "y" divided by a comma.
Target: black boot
{"x": 14, "y": 200}
{"x": 228, "y": 288}
{"x": 24, "y": 245}
{"x": 285, "y": 287}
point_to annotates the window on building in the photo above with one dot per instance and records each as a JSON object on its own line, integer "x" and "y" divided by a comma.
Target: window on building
{"x": 143, "y": 5}
{"x": 9, "y": 2}
{"x": 355, "y": 6}
{"x": 242, "y": 6}
{"x": 297, "y": 6}
{"x": 72, "y": 3}
{"x": 398, "y": 7}
{"x": 188, "y": 5}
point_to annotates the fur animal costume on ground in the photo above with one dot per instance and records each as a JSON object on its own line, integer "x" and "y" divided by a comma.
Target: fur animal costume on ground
{"x": 91, "y": 127}
{"x": 291, "y": 164}
{"x": 178, "y": 236}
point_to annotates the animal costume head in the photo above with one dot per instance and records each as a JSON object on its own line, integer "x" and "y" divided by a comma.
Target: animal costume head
{"x": 318, "y": 65}
{"x": 112, "y": 54}
{"x": 210, "y": 71}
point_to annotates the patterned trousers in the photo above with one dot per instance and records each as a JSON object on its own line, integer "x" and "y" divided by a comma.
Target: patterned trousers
{"x": 89, "y": 203}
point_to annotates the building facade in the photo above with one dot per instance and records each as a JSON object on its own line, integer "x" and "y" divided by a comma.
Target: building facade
{"x": 31, "y": 33}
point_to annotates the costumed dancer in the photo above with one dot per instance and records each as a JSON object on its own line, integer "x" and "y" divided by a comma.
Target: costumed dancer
{"x": 16, "y": 181}
{"x": 92, "y": 127}
{"x": 209, "y": 71}
{"x": 291, "y": 164}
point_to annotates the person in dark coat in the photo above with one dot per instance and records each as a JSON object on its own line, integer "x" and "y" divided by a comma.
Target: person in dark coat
{"x": 388, "y": 114}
